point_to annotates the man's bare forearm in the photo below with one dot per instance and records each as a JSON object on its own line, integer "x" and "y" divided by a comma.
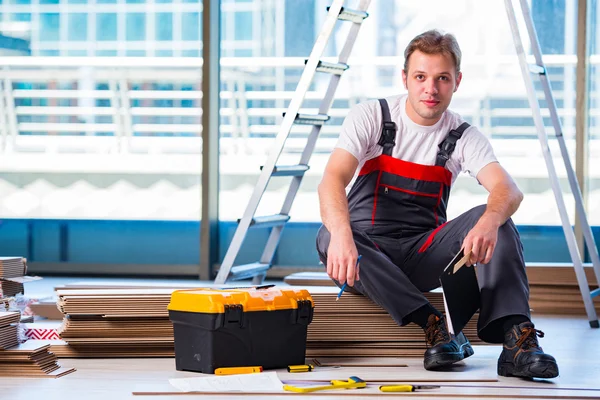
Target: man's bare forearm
{"x": 503, "y": 202}
{"x": 334, "y": 207}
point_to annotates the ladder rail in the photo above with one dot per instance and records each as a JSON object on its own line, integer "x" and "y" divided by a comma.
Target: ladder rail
{"x": 573, "y": 182}
{"x": 284, "y": 130}
{"x": 539, "y": 123}
{"x": 327, "y": 101}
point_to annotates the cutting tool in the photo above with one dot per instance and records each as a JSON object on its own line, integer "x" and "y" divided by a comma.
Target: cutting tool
{"x": 406, "y": 388}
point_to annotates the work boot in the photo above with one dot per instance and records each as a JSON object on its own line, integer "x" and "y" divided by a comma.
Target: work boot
{"x": 445, "y": 349}
{"x": 522, "y": 355}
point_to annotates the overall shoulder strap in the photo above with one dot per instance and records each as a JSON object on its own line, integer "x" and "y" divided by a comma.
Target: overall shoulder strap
{"x": 388, "y": 129}
{"x": 449, "y": 144}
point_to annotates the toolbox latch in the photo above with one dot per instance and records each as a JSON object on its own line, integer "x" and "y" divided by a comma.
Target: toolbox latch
{"x": 305, "y": 312}
{"x": 234, "y": 315}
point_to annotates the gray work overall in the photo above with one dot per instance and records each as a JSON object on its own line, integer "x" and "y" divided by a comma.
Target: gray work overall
{"x": 398, "y": 220}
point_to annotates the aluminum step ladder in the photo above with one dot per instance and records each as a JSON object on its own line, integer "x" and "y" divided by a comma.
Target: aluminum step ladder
{"x": 539, "y": 69}
{"x": 258, "y": 270}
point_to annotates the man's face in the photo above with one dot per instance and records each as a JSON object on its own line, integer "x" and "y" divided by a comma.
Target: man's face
{"x": 431, "y": 81}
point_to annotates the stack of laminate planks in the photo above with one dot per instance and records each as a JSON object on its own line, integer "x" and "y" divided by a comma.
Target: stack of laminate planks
{"x": 10, "y": 288}
{"x": 553, "y": 288}
{"x": 27, "y": 359}
{"x": 354, "y": 326}
{"x": 8, "y": 329}
{"x": 115, "y": 323}
{"x": 557, "y": 299}
{"x": 135, "y": 323}
{"x": 11, "y": 267}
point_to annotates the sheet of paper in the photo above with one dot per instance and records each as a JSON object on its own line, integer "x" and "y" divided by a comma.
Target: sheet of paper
{"x": 23, "y": 279}
{"x": 261, "y": 382}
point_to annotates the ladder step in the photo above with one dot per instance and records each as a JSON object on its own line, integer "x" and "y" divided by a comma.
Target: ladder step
{"x": 537, "y": 69}
{"x": 595, "y": 293}
{"x": 331, "y": 68}
{"x": 247, "y": 271}
{"x": 351, "y": 15}
{"x": 289, "y": 170}
{"x": 268, "y": 221}
{"x": 310, "y": 119}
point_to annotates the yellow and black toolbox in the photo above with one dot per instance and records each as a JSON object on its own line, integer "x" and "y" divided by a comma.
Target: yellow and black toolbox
{"x": 238, "y": 327}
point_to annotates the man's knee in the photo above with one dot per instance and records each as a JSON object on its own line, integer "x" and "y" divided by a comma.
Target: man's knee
{"x": 323, "y": 238}
{"x": 478, "y": 211}
{"x": 508, "y": 228}
{"x": 508, "y": 235}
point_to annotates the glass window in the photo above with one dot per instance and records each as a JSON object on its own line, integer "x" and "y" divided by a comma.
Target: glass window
{"x": 138, "y": 206}
{"x": 135, "y": 1}
{"x": 21, "y": 17}
{"x": 243, "y": 25}
{"x": 78, "y": 27}
{"x": 593, "y": 182}
{"x": 190, "y": 53}
{"x": 190, "y": 26}
{"x": 106, "y": 26}
{"x": 135, "y": 27}
{"x": 135, "y": 53}
{"x": 77, "y": 1}
{"x": 49, "y": 27}
{"x": 48, "y": 53}
{"x": 501, "y": 111}
{"x": 243, "y": 53}
{"x": 77, "y": 53}
{"x": 164, "y": 26}
{"x": 20, "y": 2}
{"x": 106, "y": 53}
{"x": 49, "y": 1}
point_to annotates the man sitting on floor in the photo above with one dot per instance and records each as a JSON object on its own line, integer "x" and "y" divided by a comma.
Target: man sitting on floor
{"x": 410, "y": 149}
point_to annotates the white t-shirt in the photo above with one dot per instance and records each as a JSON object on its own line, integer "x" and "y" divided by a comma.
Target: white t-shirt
{"x": 415, "y": 143}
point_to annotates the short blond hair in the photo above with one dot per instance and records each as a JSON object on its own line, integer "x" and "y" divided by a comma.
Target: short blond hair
{"x": 434, "y": 42}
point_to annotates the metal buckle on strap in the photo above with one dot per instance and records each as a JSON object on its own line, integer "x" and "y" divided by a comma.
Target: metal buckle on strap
{"x": 447, "y": 147}
{"x": 455, "y": 134}
{"x": 443, "y": 156}
{"x": 389, "y": 126}
{"x": 388, "y": 135}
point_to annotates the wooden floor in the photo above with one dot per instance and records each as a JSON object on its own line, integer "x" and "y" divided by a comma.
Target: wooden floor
{"x": 570, "y": 339}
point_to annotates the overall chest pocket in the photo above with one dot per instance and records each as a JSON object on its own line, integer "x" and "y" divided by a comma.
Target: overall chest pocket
{"x": 400, "y": 191}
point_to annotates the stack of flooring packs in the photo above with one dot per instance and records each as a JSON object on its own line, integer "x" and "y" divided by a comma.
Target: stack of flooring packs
{"x": 135, "y": 323}
{"x": 115, "y": 323}
{"x": 11, "y": 268}
{"x": 356, "y": 327}
{"x": 29, "y": 359}
{"x": 555, "y": 290}
{"x": 8, "y": 329}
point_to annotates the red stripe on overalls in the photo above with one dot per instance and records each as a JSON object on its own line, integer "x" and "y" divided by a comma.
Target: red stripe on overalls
{"x": 375, "y": 196}
{"x": 430, "y": 173}
{"x": 436, "y": 230}
{"x": 430, "y": 238}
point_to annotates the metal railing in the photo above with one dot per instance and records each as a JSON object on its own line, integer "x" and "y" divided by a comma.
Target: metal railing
{"x": 152, "y": 105}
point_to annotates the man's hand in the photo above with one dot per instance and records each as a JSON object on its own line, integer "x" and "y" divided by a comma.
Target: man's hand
{"x": 481, "y": 240}
{"x": 341, "y": 259}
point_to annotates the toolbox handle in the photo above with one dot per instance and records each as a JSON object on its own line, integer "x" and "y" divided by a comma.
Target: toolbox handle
{"x": 248, "y": 287}
{"x": 264, "y": 287}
